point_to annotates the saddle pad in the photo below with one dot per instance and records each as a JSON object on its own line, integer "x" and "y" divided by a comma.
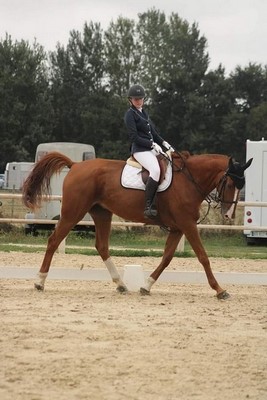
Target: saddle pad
{"x": 131, "y": 178}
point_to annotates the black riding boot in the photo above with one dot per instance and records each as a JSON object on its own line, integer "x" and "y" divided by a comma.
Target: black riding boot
{"x": 150, "y": 194}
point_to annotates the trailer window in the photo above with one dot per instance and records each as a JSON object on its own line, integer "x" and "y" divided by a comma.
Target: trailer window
{"x": 88, "y": 155}
{"x": 40, "y": 155}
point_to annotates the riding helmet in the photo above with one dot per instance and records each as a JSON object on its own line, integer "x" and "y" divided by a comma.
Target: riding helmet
{"x": 137, "y": 91}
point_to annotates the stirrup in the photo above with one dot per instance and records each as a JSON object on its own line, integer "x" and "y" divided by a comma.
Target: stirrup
{"x": 150, "y": 213}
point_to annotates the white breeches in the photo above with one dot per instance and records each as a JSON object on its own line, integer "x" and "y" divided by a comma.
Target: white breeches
{"x": 149, "y": 161}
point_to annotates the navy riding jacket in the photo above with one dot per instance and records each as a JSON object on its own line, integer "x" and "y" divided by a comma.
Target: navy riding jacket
{"x": 141, "y": 130}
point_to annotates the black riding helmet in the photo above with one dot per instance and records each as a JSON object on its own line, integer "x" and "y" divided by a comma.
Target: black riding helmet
{"x": 136, "y": 91}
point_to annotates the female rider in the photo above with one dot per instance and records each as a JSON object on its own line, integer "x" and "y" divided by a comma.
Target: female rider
{"x": 145, "y": 144}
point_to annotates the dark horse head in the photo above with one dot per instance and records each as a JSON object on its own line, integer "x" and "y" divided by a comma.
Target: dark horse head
{"x": 236, "y": 172}
{"x": 231, "y": 183}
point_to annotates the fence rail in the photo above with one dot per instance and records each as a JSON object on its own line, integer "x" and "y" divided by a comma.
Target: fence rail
{"x": 18, "y": 196}
{"x": 30, "y": 221}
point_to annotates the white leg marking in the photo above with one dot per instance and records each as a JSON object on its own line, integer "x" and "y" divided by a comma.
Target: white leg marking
{"x": 42, "y": 277}
{"x": 114, "y": 272}
{"x": 149, "y": 283}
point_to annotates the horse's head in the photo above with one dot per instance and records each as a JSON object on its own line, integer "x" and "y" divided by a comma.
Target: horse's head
{"x": 229, "y": 186}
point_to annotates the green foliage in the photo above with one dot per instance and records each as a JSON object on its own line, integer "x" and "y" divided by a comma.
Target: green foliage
{"x": 25, "y": 104}
{"x": 78, "y": 92}
{"x": 146, "y": 243}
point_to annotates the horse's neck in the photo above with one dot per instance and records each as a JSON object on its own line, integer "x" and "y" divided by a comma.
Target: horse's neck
{"x": 207, "y": 171}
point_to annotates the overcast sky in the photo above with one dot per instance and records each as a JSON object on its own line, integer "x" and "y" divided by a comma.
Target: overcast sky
{"x": 236, "y": 30}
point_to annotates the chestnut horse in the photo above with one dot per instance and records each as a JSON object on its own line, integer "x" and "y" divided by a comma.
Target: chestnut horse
{"x": 94, "y": 186}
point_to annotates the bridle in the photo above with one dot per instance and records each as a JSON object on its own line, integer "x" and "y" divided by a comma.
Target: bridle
{"x": 218, "y": 195}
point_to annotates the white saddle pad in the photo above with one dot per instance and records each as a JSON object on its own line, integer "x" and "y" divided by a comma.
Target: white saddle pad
{"x": 131, "y": 178}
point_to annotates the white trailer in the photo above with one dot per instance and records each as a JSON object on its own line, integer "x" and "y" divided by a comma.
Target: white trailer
{"x": 50, "y": 210}
{"x": 256, "y": 190}
{"x": 16, "y": 173}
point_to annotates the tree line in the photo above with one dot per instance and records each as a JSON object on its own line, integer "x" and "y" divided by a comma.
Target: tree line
{"x": 78, "y": 92}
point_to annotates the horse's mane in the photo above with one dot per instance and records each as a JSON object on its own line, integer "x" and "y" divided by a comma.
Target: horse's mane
{"x": 187, "y": 155}
{"x": 206, "y": 155}
{"x": 186, "y": 158}
{"x": 184, "y": 155}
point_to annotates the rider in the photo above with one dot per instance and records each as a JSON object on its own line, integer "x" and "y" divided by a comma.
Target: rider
{"x": 145, "y": 144}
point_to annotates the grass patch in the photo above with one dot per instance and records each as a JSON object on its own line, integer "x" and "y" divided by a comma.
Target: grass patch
{"x": 136, "y": 243}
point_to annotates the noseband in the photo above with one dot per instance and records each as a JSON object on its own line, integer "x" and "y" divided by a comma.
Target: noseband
{"x": 218, "y": 197}
{"x": 239, "y": 182}
{"x": 235, "y": 171}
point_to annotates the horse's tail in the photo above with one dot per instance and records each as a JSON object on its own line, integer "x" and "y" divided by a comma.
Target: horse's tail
{"x": 37, "y": 183}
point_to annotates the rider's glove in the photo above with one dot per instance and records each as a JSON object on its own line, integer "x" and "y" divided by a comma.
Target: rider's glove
{"x": 156, "y": 147}
{"x": 167, "y": 146}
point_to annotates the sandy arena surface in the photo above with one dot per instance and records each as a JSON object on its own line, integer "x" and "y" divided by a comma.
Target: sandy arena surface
{"x": 83, "y": 340}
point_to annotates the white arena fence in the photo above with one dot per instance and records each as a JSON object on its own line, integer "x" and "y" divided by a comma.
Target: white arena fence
{"x": 180, "y": 247}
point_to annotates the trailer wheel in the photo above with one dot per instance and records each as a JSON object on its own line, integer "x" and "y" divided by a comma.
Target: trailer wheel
{"x": 30, "y": 230}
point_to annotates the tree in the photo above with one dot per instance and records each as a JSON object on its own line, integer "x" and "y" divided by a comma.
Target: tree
{"x": 77, "y": 81}
{"x": 217, "y": 103}
{"x": 250, "y": 86}
{"x": 122, "y": 55}
{"x": 25, "y": 107}
{"x": 257, "y": 123}
{"x": 81, "y": 95}
{"x": 175, "y": 68}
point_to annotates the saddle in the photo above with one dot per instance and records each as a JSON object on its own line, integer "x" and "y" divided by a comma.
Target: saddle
{"x": 163, "y": 164}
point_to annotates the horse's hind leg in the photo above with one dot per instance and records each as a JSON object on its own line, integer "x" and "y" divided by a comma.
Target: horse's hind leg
{"x": 61, "y": 231}
{"x": 102, "y": 219}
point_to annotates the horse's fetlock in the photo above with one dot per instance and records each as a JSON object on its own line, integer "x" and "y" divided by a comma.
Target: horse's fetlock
{"x": 122, "y": 289}
{"x": 39, "y": 287}
{"x": 144, "y": 292}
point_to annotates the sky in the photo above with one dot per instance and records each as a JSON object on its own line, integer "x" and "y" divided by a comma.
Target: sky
{"x": 236, "y": 30}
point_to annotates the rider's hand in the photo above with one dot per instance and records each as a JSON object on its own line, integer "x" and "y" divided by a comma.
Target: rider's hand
{"x": 167, "y": 146}
{"x": 156, "y": 147}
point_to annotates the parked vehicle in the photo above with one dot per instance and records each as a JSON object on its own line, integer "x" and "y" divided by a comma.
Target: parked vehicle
{"x": 2, "y": 181}
{"x": 256, "y": 191}
{"x": 50, "y": 210}
{"x": 16, "y": 173}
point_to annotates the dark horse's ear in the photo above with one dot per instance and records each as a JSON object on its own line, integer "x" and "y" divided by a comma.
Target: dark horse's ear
{"x": 248, "y": 163}
{"x": 232, "y": 165}
{"x": 236, "y": 172}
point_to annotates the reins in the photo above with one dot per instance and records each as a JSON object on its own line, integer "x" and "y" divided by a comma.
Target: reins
{"x": 218, "y": 196}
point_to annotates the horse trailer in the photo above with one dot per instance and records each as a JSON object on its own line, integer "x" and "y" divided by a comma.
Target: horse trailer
{"x": 256, "y": 191}
{"x": 50, "y": 210}
{"x": 16, "y": 173}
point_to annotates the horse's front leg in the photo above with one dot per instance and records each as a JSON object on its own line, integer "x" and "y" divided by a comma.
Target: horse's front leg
{"x": 102, "y": 219}
{"x": 171, "y": 245}
{"x": 193, "y": 237}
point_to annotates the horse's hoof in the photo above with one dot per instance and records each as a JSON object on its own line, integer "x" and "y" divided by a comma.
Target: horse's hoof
{"x": 122, "y": 289}
{"x": 223, "y": 295}
{"x": 144, "y": 291}
{"x": 38, "y": 287}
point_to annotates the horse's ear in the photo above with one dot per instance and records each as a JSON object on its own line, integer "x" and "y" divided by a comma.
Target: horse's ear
{"x": 231, "y": 163}
{"x": 248, "y": 163}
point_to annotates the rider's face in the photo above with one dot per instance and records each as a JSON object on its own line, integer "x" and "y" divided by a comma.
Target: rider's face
{"x": 138, "y": 103}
